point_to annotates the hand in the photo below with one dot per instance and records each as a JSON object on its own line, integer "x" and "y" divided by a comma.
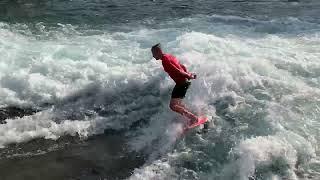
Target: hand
{"x": 193, "y": 76}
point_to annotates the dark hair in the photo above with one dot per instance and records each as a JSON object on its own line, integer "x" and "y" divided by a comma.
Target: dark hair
{"x": 157, "y": 46}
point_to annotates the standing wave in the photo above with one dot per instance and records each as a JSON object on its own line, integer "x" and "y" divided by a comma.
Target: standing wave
{"x": 260, "y": 86}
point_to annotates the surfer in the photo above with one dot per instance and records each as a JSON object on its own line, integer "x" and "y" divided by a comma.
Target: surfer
{"x": 178, "y": 72}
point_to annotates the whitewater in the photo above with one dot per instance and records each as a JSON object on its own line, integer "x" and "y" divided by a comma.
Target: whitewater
{"x": 258, "y": 80}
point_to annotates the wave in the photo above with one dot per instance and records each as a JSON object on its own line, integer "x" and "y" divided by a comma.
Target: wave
{"x": 261, "y": 88}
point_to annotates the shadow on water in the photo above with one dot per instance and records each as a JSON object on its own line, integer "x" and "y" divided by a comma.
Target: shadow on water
{"x": 99, "y": 156}
{"x": 131, "y": 104}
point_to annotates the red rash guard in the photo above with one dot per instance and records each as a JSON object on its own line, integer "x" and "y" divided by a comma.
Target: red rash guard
{"x": 176, "y": 71}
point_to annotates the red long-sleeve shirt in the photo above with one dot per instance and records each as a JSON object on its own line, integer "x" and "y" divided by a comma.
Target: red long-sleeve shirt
{"x": 176, "y": 71}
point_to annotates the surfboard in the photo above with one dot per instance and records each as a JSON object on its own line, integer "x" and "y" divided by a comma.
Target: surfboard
{"x": 201, "y": 120}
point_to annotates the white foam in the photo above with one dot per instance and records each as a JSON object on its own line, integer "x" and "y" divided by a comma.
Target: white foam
{"x": 264, "y": 151}
{"x": 157, "y": 170}
{"x": 231, "y": 64}
{"x": 40, "y": 125}
{"x": 45, "y": 71}
{"x": 254, "y": 66}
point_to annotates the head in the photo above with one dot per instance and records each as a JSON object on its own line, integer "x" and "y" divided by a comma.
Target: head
{"x": 157, "y": 51}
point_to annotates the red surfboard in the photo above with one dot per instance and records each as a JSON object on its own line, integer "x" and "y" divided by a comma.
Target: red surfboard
{"x": 201, "y": 120}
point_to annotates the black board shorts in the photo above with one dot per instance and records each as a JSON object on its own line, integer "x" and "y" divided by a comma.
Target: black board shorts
{"x": 180, "y": 90}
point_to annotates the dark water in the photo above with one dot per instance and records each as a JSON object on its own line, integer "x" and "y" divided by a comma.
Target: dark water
{"x": 102, "y": 12}
{"x": 69, "y": 158}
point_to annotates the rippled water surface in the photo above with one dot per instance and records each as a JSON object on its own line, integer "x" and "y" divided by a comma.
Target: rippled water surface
{"x": 82, "y": 98}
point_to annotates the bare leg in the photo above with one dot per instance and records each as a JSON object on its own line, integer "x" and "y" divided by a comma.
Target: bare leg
{"x": 177, "y": 106}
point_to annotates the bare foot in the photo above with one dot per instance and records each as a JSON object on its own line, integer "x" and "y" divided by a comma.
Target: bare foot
{"x": 193, "y": 121}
